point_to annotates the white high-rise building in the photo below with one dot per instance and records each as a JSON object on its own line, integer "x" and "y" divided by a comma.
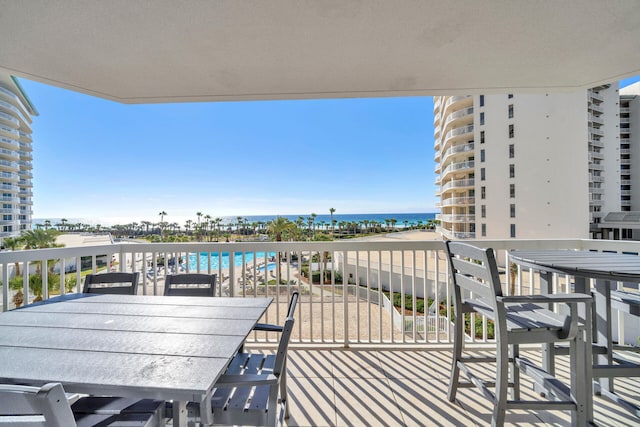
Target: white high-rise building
{"x": 15, "y": 158}
{"x": 624, "y": 223}
{"x": 526, "y": 165}
{"x": 630, "y": 147}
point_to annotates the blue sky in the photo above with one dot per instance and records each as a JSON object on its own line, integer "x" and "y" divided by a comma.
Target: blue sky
{"x": 100, "y": 159}
{"x": 114, "y": 163}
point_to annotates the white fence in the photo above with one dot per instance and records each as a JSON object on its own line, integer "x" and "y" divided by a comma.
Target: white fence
{"x": 329, "y": 312}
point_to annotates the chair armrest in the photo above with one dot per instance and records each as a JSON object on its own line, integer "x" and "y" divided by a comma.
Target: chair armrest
{"x": 267, "y": 327}
{"x": 229, "y": 380}
{"x": 546, "y": 298}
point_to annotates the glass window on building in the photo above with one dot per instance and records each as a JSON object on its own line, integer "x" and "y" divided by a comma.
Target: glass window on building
{"x": 482, "y": 155}
{"x": 512, "y": 191}
{"x": 481, "y": 137}
{"x": 483, "y": 211}
{"x": 513, "y": 231}
{"x": 512, "y": 210}
{"x": 483, "y": 192}
{"x": 511, "y": 111}
{"x": 512, "y": 171}
{"x": 512, "y": 151}
{"x": 482, "y": 177}
{"x": 482, "y": 118}
{"x": 483, "y": 227}
{"x": 511, "y": 131}
{"x": 510, "y": 96}
{"x": 482, "y": 100}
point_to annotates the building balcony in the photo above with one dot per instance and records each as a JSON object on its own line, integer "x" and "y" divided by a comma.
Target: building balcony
{"x": 458, "y": 201}
{"x": 9, "y": 143}
{"x": 9, "y": 176}
{"x": 456, "y": 103}
{"x": 458, "y": 167}
{"x": 595, "y": 141}
{"x": 9, "y": 187}
{"x": 458, "y": 184}
{"x": 456, "y": 150}
{"x": 9, "y": 119}
{"x": 8, "y": 165}
{"x": 354, "y": 360}
{"x": 25, "y": 137}
{"x": 458, "y": 218}
{"x": 9, "y": 154}
{"x": 596, "y": 97}
{"x": 458, "y": 118}
{"x": 458, "y": 134}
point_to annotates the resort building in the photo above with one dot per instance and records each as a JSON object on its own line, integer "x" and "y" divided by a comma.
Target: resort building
{"x": 624, "y": 223}
{"x": 15, "y": 158}
{"x": 527, "y": 165}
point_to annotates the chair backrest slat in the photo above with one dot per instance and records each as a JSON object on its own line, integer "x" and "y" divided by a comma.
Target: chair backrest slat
{"x": 478, "y": 266}
{"x": 111, "y": 283}
{"x": 48, "y": 403}
{"x": 195, "y": 285}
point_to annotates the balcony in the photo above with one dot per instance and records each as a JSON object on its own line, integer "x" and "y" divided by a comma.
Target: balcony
{"x": 354, "y": 359}
{"x": 458, "y": 184}
{"x": 458, "y": 201}
{"x": 458, "y": 218}
{"x": 457, "y": 149}
{"x": 458, "y": 133}
{"x": 458, "y": 167}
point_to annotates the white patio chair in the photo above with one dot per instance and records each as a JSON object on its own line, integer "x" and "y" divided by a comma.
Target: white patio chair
{"x": 517, "y": 320}
{"x": 47, "y": 406}
{"x": 190, "y": 284}
{"x": 111, "y": 283}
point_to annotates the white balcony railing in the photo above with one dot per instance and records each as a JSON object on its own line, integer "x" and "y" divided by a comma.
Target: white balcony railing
{"x": 354, "y": 312}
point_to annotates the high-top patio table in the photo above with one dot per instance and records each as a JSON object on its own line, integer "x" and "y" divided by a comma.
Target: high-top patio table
{"x": 167, "y": 348}
{"x": 605, "y": 268}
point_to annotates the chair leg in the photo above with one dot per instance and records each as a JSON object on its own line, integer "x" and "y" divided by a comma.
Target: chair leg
{"x": 515, "y": 371}
{"x": 283, "y": 391}
{"x": 580, "y": 385}
{"x": 458, "y": 341}
{"x": 502, "y": 384}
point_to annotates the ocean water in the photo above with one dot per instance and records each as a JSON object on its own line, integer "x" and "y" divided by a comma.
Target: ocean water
{"x": 410, "y": 218}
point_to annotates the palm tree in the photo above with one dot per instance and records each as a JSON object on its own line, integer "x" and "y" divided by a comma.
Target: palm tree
{"x": 161, "y": 225}
{"x": 13, "y": 243}
{"x": 208, "y": 226}
{"x": 47, "y": 224}
{"x": 218, "y": 223}
{"x": 277, "y": 228}
{"x": 63, "y": 223}
{"x": 331, "y": 211}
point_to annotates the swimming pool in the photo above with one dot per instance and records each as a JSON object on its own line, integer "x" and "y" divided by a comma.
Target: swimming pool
{"x": 237, "y": 259}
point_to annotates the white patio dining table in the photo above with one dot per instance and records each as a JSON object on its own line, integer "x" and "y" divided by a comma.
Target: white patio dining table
{"x": 167, "y": 348}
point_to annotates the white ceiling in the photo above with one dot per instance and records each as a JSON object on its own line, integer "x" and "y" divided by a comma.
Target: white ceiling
{"x": 146, "y": 51}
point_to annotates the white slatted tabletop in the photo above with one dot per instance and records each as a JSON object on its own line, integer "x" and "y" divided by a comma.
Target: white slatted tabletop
{"x": 168, "y": 348}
